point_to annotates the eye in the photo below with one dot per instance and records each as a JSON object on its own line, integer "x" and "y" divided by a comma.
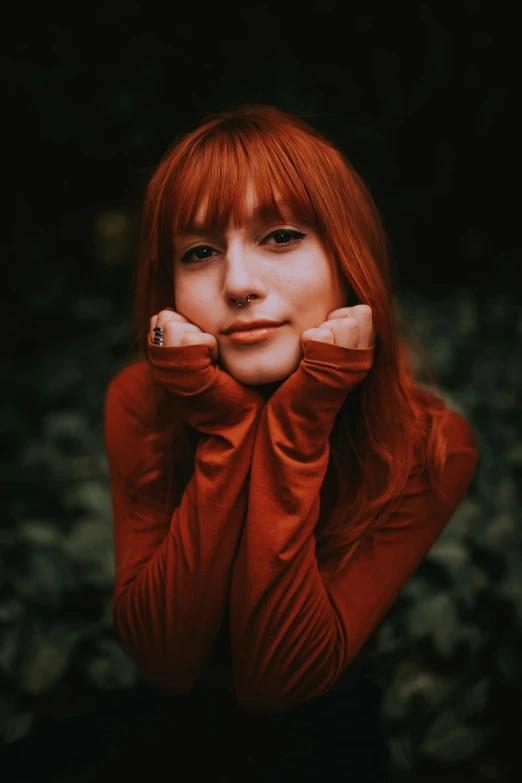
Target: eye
{"x": 295, "y": 236}
{"x": 186, "y": 259}
{"x": 289, "y": 236}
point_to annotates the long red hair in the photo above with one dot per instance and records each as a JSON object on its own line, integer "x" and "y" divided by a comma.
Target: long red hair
{"x": 389, "y": 424}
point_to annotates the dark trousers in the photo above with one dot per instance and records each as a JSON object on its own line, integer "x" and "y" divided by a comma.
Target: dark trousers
{"x": 148, "y": 734}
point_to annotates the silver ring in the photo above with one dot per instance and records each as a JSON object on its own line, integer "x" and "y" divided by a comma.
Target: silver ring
{"x": 158, "y": 337}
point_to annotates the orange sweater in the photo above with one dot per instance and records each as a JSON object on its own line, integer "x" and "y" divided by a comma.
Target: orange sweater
{"x": 226, "y": 587}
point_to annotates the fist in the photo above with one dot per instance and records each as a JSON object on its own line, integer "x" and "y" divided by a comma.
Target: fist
{"x": 178, "y": 330}
{"x": 351, "y": 327}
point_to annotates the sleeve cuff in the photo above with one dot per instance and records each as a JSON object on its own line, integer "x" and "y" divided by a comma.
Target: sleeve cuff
{"x": 179, "y": 357}
{"x": 338, "y": 356}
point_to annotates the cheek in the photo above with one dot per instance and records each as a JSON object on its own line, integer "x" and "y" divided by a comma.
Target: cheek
{"x": 313, "y": 289}
{"x": 186, "y": 295}
{"x": 185, "y": 303}
{"x": 197, "y": 307}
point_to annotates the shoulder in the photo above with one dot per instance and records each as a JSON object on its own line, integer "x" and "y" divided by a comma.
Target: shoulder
{"x": 461, "y": 453}
{"x": 460, "y": 446}
{"x": 459, "y": 433}
{"x": 457, "y": 430}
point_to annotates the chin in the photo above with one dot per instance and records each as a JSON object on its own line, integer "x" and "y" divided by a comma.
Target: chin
{"x": 256, "y": 372}
{"x": 256, "y": 378}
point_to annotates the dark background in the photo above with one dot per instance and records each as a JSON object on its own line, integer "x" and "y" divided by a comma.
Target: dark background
{"x": 422, "y": 98}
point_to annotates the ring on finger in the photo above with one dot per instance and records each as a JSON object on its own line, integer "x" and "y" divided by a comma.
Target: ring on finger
{"x": 158, "y": 337}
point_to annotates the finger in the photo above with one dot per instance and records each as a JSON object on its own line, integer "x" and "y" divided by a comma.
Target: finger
{"x": 350, "y": 312}
{"x": 346, "y": 331}
{"x": 203, "y": 338}
{"x": 320, "y": 333}
{"x": 163, "y": 318}
{"x": 178, "y": 334}
{"x": 341, "y": 312}
{"x": 331, "y": 323}
{"x": 170, "y": 315}
{"x": 364, "y": 318}
{"x": 174, "y": 331}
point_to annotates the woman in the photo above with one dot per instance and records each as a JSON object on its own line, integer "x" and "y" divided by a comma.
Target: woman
{"x": 273, "y": 489}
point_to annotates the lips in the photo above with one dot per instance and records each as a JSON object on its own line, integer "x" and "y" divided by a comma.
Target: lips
{"x": 239, "y": 326}
{"x": 255, "y": 326}
{"x": 253, "y": 335}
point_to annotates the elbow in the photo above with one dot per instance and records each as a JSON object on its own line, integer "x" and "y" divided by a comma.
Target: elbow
{"x": 281, "y": 694}
{"x": 162, "y": 668}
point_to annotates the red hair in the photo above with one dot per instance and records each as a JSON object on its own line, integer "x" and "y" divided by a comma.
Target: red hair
{"x": 388, "y": 425}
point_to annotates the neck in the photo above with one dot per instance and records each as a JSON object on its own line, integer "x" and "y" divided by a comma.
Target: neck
{"x": 267, "y": 389}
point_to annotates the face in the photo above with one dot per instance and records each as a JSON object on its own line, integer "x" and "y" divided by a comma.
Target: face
{"x": 284, "y": 268}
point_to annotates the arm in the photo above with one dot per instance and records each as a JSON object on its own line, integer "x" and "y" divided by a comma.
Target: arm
{"x": 173, "y": 569}
{"x": 294, "y": 628}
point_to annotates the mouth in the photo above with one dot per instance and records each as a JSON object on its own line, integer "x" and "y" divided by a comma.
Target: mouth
{"x": 254, "y": 334}
{"x": 244, "y": 326}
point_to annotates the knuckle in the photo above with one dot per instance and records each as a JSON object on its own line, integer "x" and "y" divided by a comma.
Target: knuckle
{"x": 170, "y": 315}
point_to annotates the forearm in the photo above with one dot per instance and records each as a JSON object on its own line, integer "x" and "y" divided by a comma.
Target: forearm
{"x": 174, "y": 570}
{"x": 276, "y": 592}
{"x": 170, "y": 597}
{"x": 283, "y": 626}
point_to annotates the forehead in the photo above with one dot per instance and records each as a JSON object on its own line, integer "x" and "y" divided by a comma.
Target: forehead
{"x": 254, "y": 212}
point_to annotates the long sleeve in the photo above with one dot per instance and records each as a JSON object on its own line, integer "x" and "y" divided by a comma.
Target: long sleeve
{"x": 295, "y": 628}
{"x": 173, "y": 568}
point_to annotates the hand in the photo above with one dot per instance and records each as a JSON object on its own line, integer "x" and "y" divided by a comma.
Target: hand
{"x": 218, "y": 400}
{"x": 178, "y": 330}
{"x": 350, "y": 327}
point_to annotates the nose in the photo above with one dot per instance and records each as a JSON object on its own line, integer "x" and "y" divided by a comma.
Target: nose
{"x": 241, "y": 272}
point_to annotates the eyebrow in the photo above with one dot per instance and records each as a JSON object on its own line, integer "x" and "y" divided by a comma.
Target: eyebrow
{"x": 259, "y": 214}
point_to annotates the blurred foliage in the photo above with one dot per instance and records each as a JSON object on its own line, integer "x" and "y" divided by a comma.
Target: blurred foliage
{"x": 449, "y": 649}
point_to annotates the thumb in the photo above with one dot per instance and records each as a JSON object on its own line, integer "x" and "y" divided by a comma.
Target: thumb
{"x": 320, "y": 333}
{"x": 203, "y": 338}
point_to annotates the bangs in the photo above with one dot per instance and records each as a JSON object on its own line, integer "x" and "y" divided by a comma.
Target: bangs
{"x": 219, "y": 168}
